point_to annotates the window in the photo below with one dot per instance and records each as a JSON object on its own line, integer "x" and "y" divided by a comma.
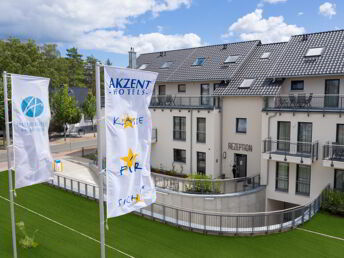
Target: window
{"x": 303, "y": 179}
{"x": 231, "y": 59}
{"x": 297, "y": 85}
{"x": 339, "y": 180}
{"x": 201, "y": 157}
{"x": 283, "y": 136}
{"x": 205, "y": 91}
{"x": 282, "y": 176}
{"x": 179, "y": 128}
{"x": 316, "y": 51}
{"x": 340, "y": 134}
{"x": 241, "y": 125}
{"x": 304, "y": 137}
{"x": 162, "y": 90}
{"x": 179, "y": 155}
{"x": 199, "y": 61}
{"x": 181, "y": 88}
{"x": 166, "y": 65}
{"x": 265, "y": 55}
{"x": 246, "y": 83}
{"x": 143, "y": 66}
{"x": 201, "y": 127}
{"x": 331, "y": 93}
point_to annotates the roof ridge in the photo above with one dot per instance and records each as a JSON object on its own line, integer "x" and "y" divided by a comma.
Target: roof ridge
{"x": 319, "y": 32}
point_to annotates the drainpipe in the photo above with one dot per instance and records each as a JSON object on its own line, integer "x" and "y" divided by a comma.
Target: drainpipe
{"x": 268, "y": 161}
{"x": 221, "y": 133}
{"x": 191, "y": 142}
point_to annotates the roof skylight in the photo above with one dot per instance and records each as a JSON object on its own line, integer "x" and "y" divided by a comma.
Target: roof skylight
{"x": 231, "y": 59}
{"x": 143, "y": 66}
{"x": 316, "y": 51}
{"x": 199, "y": 61}
{"x": 265, "y": 55}
{"x": 246, "y": 83}
{"x": 166, "y": 64}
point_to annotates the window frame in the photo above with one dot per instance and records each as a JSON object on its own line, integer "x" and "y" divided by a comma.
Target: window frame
{"x": 295, "y": 82}
{"x": 166, "y": 65}
{"x": 307, "y": 54}
{"x": 235, "y": 57}
{"x": 237, "y": 123}
{"x": 178, "y": 128}
{"x": 278, "y": 178}
{"x": 196, "y": 62}
{"x": 199, "y": 154}
{"x": 162, "y": 86}
{"x": 181, "y": 91}
{"x": 298, "y": 181}
{"x": 143, "y": 66}
{"x": 241, "y": 86}
{"x": 265, "y": 55}
{"x": 182, "y": 157}
{"x": 198, "y": 132}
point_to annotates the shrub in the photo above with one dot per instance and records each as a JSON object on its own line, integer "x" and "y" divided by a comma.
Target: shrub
{"x": 26, "y": 242}
{"x": 202, "y": 184}
{"x": 333, "y": 202}
{"x": 168, "y": 173}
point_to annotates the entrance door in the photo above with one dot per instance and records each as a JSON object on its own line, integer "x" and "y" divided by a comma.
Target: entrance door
{"x": 331, "y": 93}
{"x": 241, "y": 165}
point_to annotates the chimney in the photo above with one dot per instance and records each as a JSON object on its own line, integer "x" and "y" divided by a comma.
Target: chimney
{"x": 132, "y": 58}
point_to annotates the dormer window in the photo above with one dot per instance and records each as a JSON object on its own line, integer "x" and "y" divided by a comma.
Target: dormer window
{"x": 166, "y": 65}
{"x": 199, "y": 61}
{"x": 246, "y": 83}
{"x": 231, "y": 59}
{"x": 316, "y": 51}
{"x": 143, "y": 66}
{"x": 265, "y": 55}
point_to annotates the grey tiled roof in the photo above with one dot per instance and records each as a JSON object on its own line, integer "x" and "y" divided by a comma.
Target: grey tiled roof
{"x": 294, "y": 63}
{"x": 213, "y": 68}
{"x": 258, "y": 69}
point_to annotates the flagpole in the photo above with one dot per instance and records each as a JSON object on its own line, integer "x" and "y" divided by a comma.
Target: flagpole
{"x": 9, "y": 166}
{"x": 100, "y": 164}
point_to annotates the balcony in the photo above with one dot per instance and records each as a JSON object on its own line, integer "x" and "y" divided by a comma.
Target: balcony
{"x": 293, "y": 152}
{"x": 305, "y": 103}
{"x": 333, "y": 155}
{"x": 191, "y": 102}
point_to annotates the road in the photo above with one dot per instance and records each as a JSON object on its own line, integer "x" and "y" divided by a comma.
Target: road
{"x": 56, "y": 148}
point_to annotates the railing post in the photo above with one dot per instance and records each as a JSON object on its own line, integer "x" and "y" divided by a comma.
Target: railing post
{"x": 281, "y": 221}
{"x": 252, "y": 224}
{"x": 71, "y": 185}
{"x": 164, "y": 213}
{"x": 177, "y": 216}
{"x": 293, "y": 219}
{"x": 94, "y": 192}
{"x": 310, "y": 212}
{"x": 267, "y": 223}
{"x": 237, "y": 225}
{"x": 220, "y": 223}
{"x": 205, "y": 223}
{"x": 58, "y": 181}
{"x": 86, "y": 190}
{"x": 303, "y": 216}
{"x": 78, "y": 187}
{"x": 190, "y": 220}
{"x": 64, "y": 183}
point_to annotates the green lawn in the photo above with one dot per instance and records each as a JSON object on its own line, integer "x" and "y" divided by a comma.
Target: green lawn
{"x": 141, "y": 237}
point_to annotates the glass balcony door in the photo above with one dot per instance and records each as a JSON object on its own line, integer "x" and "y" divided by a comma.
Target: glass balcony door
{"x": 283, "y": 136}
{"x": 304, "y": 138}
{"x": 331, "y": 93}
{"x": 205, "y": 91}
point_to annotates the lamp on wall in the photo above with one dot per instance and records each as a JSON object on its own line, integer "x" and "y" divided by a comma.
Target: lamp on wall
{"x": 224, "y": 155}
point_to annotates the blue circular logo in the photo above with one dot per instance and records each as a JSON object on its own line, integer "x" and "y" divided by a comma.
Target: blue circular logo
{"x": 32, "y": 107}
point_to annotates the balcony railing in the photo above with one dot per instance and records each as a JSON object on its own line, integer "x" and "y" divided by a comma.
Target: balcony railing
{"x": 305, "y": 102}
{"x": 206, "y": 186}
{"x": 199, "y": 102}
{"x": 333, "y": 152}
{"x": 296, "y": 149}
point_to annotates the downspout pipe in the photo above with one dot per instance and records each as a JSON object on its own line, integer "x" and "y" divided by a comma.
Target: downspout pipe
{"x": 191, "y": 121}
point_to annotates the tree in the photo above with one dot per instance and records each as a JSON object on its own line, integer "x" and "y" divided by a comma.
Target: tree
{"x": 64, "y": 108}
{"x": 89, "y": 108}
{"x": 108, "y": 62}
{"x": 75, "y": 68}
{"x": 90, "y": 73}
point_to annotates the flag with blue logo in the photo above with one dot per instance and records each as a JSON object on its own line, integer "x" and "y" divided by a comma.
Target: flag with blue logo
{"x": 128, "y": 127}
{"x": 30, "y": 118}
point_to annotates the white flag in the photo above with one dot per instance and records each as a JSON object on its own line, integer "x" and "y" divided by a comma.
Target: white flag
{"x": 31, "y": 117}
{"x": 128, "y": 139}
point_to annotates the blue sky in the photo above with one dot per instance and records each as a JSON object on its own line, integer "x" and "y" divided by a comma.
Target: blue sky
{"x": 108, "y": 30}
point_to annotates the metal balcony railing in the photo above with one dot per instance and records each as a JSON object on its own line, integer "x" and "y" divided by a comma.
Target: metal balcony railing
{"x": 199, "y": 102}
{"x": 333, "y": 151}
{"x": 287, "y": 148}
{"x": 305, "y": 102}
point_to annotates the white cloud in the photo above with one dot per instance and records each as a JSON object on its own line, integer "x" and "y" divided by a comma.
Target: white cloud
{"x": 68, "y": 21}
{"x": 253, "y": 26}
{"x": 327, "y": 9}
{"x": 118, "y": 42}
{"x": 274, "y": 1}
{"x": 300, "y": 13}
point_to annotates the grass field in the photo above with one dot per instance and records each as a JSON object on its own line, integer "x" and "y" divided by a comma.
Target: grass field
{"x": 141, "y": 237}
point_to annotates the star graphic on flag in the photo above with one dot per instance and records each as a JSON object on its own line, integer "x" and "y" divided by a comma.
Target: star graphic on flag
{"x": 128, "y": 122}
{"x": 130, "y": 159}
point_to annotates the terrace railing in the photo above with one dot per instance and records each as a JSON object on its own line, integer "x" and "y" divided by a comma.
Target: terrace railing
{"x": 305, "y": 102}
{"x": 206, "y": 186}
{"x": 334, "y": 152}
{"x": 288, "y": 148}
{"x": 199, "y": 102}
{"x": 210, "y": 222}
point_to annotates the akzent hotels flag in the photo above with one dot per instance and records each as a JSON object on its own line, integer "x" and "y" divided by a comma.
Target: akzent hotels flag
{"x": 31, "y": 117}
{"x": 128, "y": 139}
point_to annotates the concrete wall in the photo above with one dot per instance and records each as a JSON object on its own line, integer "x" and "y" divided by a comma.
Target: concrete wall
{"x": 234, "y": 203}
{"x": 242, "y": 107}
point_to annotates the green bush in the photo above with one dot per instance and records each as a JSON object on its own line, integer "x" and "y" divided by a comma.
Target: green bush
{"x": 333, "y": 202}
{"x": 168, "y": 172}
{"x": 202, "y": 184}
{"x": 26, "y": 242}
